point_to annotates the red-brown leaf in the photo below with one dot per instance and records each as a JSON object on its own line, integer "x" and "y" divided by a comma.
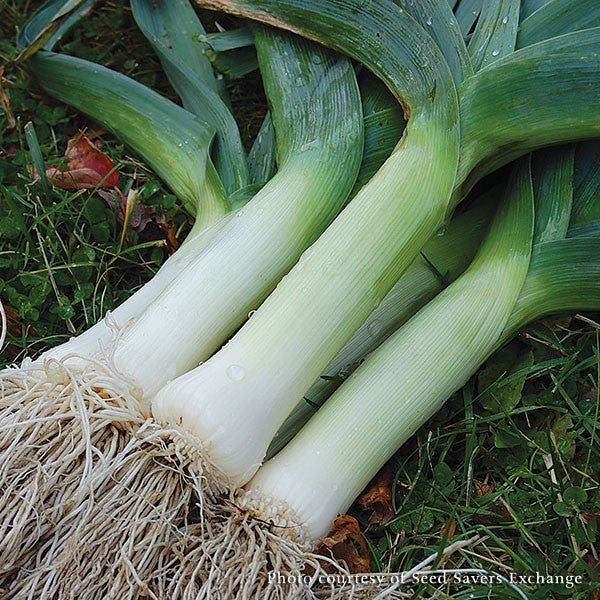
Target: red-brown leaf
{"x": 347, "y": 543}
{"x": 89, "y": 167}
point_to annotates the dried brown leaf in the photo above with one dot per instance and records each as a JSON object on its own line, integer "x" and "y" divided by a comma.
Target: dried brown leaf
{"x": 378, "y": 497}
{"x": 347, "y": 543}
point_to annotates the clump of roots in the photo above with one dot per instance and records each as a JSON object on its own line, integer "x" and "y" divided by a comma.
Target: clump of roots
{"x": 54, "y": 424}
{"x": 95, "y": 493}
{"x": 240, "y": 555}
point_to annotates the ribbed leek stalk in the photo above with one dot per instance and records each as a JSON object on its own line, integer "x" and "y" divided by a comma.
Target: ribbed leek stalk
{"x": 300, "y": 491}
{"x": 442, "y": 260}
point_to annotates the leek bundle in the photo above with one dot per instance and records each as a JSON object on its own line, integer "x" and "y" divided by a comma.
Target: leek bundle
{"x": 277, "y": 520}
{"x": 233, "y": 404}
{"x": 212, "y": 423}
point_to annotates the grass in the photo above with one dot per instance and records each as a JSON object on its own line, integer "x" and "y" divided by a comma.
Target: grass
{"x": 511, "y": 461}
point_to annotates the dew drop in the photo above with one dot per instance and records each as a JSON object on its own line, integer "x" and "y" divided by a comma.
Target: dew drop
{"x": 334, "y": 487}
{"x": 251, "y": 313}
{"x": 505, "y": 20}
{"x": 235, "y": 372}
{"x": 299, "y": 81}
{"x": 317, "y": 59}
{"x": 429, "y": 21}
{"x": 240, "y": 213}
{"x": 495, "y": 52}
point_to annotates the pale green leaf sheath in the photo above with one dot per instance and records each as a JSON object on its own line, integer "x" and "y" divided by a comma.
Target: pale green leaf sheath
{"x": 406, "y": 379}
{"x": 441, "y": 261}
{"x": 315, "y": 105}
{"x": 251, "y": 384}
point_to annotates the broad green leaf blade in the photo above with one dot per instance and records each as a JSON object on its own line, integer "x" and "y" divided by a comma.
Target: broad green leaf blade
{"x": 505, "y": 110}
{"x": 261, "y": 159}
{"x": 528, "y": 7}
{"x": 563, "y": 276}
{"x": 171, "y": 140}
{"x": 553, "y": 190}
{"x": 49, "y": 23}
{"x": 589, "y": 229}
{"x": 437, "y": 18}
{"x": 496, "y": 32}
{"x": 170, "y": 27}
{"x": 558, "y": 17}
{"x": 467, "y": 13}
{"x": 586, "y": 197}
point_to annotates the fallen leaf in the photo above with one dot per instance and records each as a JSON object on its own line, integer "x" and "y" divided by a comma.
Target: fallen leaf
{"x": 482, "y": 489}
{"x": 347, "y": 543}
{"x": 450, "y": 526}
{"x": 378, "y": 497}
{"x": 88, "y": 167}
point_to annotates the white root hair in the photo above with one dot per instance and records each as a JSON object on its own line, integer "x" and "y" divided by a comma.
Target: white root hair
{"x": 247, "y": 553}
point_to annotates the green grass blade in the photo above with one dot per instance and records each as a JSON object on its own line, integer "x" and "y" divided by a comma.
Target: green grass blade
{"x": 586, "y": 196}
{"x": 496, "y": 32}
{"x": 558, "y": 17}
{"x": 553, "y": 188}
{"x": 437, "y": 18}
{"x": 170, "y": 27}
{"x": 467, "y": 13}
{"x": 505, "y": 110}
{"x": 171, "y": 140}
{"x": 36, "y": 153}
